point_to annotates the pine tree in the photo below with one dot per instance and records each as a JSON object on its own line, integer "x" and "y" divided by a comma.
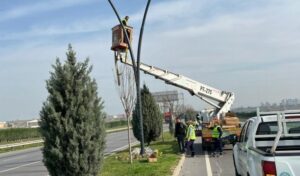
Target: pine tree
{"x": 72, "y": 120}
{"x": 152, "y": 118}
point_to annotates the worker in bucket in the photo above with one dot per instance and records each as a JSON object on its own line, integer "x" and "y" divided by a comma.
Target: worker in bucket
{"x": 125, "y": 21}
{"x": 217, "y": 138}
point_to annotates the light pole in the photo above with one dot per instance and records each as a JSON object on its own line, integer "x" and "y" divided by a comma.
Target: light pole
{"x": 136, "y": 67}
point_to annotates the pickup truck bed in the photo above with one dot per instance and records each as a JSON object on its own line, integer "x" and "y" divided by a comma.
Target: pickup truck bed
{"x": 269, "y": 145}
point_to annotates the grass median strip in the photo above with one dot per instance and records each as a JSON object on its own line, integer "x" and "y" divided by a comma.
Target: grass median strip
{"x": 118, "y": 164}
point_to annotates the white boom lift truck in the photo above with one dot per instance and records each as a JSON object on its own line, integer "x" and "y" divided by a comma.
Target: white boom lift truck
{"x": 219, "y": 99}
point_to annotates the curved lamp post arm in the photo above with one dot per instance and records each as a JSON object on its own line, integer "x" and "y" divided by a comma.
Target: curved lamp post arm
{"x": 139, "y": 97}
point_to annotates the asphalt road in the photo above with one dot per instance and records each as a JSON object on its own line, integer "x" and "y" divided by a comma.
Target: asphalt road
{"x": 29, "y": 162}
{"x": 205, "y": 165}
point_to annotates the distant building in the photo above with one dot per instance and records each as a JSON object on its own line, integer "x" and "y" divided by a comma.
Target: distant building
{"x": 18, "y": 124}
{"x": 33, "y": 124}
{"x": 117, "y": 117}
{"x": 23, "y": 124}
{"x": 285, "y": 104}
{"x": 244, "y": 109}
{"x": 3, "y": 125}
{"x": 290, "y": 102}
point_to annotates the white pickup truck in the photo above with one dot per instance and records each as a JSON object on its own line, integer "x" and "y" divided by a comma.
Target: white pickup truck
{"x": 269, "y": 145}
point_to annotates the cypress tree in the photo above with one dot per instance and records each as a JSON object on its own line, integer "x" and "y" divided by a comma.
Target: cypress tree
{"x": 152, "y": 118}
{"x": 72, "y": 120}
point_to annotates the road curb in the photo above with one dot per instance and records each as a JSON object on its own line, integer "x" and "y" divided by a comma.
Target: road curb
{"x": 12, "y": 145}
{"x": 179, "y": 166}
{"x": 117, "y": 130}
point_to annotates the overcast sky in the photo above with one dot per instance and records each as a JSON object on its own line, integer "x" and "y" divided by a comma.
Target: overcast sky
{"x": 251, "y": 48}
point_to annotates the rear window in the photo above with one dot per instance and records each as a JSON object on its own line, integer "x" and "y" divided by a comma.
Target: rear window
{"x": 266, "y": 128}
{"x": 293, "y": 127}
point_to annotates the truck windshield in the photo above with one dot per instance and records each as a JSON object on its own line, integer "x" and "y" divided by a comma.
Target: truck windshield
{"x": 266, "y": 128}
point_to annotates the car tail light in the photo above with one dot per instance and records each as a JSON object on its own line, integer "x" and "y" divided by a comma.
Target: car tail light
{"x": 269, "y": 168}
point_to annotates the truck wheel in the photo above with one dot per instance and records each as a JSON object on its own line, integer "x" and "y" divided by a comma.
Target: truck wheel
{"x": 235, "y": 170}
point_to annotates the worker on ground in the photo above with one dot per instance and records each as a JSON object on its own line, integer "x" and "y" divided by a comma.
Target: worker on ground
{"x": 217, "y": 138}
{"x": 191, "y": 137}
{"x": 180, "y": 129}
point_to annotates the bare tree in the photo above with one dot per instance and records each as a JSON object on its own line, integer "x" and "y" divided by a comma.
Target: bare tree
{"x": 187, "y": 110}
{"x": 124, "y": 79}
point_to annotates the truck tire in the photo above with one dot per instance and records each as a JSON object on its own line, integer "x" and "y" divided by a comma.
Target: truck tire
{"x": 235, "y": 170}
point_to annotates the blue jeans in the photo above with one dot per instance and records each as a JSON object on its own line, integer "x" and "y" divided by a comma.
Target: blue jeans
{"x": 180, "y": 140}
{"x": 190, "y": 146}
{"x": 218, "y": 145}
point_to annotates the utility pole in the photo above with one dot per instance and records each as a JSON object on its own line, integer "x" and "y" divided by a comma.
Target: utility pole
{"x": 136, "y": 67}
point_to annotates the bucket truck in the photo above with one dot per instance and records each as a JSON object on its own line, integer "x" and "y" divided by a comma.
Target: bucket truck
{"x": 219, "y": 99}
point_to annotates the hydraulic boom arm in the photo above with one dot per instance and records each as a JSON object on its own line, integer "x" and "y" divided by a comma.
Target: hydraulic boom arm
{"x": 206, "y": 93}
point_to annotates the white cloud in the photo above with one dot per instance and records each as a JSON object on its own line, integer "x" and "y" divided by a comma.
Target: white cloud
{"x": 78, "y": 27}
{"x": 253, "y": 52}
{"x": 41, "y": 6}
{"x": 252, "y": 36}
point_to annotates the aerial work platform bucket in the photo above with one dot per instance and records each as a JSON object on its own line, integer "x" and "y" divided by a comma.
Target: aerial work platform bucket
{"x": 118, "y": 38}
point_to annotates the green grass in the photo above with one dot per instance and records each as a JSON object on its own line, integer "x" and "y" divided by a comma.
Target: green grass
{"x": 164, "y": 166}
{"x": 11, "y": 135}
{"x": 21, "y": 147}
{"x": 115, "y": 124}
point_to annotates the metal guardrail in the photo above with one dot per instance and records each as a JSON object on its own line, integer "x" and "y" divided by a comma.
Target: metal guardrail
{"x": 4, "y": 146}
